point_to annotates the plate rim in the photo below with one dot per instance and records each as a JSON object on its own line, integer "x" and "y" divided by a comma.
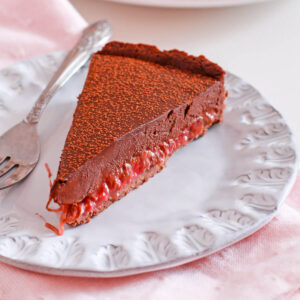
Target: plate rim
{"x": 130, "y": 271}
{"x": 189, "y": 4}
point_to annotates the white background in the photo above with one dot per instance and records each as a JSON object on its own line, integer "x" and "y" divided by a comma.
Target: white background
{"x": 258, "y": 42}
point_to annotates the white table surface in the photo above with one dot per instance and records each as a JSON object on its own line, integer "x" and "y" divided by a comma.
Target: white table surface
{"x": 259, "y": 42}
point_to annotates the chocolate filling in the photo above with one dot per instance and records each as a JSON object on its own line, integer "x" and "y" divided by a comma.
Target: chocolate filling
{"x": 136, "y": 100}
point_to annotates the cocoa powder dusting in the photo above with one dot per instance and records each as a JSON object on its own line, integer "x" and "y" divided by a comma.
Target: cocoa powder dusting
{"x": 127, "y": 88}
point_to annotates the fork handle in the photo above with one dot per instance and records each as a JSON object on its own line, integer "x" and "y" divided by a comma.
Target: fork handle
{"x": 92, "y": 38}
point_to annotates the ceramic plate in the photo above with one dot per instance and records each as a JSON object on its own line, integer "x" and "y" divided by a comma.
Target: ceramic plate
{"x": 213, "y": 193}
{"x": 189, "y": 3}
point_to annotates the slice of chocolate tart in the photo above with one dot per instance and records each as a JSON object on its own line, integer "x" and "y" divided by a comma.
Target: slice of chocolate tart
{"x": 138, "y": 106}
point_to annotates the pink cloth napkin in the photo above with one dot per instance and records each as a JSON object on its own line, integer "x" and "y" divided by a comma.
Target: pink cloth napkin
{"x": 264, "y": 266}
{"x": 33, "y": 27}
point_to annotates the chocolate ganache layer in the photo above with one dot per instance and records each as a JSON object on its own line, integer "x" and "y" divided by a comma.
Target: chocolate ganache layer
{"x": 138, "y": 106}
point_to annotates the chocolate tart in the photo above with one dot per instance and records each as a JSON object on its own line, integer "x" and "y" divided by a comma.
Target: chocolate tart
{"x": 138, "y": 106}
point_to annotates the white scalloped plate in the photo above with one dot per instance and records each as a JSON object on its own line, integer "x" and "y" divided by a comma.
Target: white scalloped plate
{"x": 189, "y": 3}
{"x": 214, "y": 192}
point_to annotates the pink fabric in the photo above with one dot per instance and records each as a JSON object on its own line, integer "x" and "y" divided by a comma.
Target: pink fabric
{"x": 264, "y": 266}
{"x": 33, "y": 27}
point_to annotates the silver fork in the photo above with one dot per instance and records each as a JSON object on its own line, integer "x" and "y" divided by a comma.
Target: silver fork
{"x": 20, "y": 145}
